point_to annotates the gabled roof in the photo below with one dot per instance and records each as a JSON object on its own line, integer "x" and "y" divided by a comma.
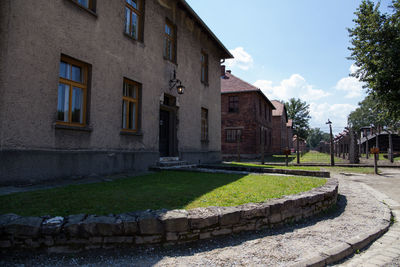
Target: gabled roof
{"x": 280, "y": 109}
{"x": 232, "y": 84}
{"x": 200, "y": 22}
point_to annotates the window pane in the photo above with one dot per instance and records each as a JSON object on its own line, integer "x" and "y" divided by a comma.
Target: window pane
{"x": 65, "y": 70}
{"x": 127, "y": 20}
{"x": 133, "y": 3}
{"x": 77, "y": 105}
{"x": 63, "y": 102}
{"x": 124, "y": 113}
{"x": 134, "y": 25}
{"x": 167, "y": 29}
{"x": 132, "y": 116}
{"x": 84, "y": 3}
{"x": 77, "y": 74}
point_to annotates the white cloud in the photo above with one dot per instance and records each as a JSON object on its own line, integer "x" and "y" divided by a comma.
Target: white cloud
{"x": 242, "y": 59}
{"x": 296, "y": 86}
{"x": 337, "y": 113}
{"x": 351, "y": 85}
{"x": 353, "y": 68}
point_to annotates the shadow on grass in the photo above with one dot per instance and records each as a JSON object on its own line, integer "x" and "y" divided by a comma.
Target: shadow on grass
{"x": 161, "y": 190}
{"x": 151, "y": 255}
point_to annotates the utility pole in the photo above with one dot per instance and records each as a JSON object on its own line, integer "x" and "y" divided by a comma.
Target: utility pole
{"x": 330, "y": 130}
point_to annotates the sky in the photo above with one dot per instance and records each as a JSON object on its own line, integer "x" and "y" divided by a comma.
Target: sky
{"x": 291, "y": 48}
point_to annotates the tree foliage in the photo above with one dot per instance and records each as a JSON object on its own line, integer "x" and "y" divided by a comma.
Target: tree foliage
{"x": 370, "y": 113}
{"x": 299, "y": 112}
{"x": 315, "y": 136}
{"x": 375, "y": 49}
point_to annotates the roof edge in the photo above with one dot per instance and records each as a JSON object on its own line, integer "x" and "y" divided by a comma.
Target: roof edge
{"x": 194, "y": 14}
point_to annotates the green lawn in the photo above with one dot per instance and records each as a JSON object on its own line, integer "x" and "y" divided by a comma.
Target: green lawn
{"x": 317, "y": 157}
{"x": 365, "y": 170}
{"x": 307, "y": 168}
{"x": 165, "y": 189}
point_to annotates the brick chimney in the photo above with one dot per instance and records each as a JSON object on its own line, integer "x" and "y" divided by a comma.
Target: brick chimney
{"x": 222, "y": 70}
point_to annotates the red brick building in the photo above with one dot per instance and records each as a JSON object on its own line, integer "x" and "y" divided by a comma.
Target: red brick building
{"x": 245, "y": 110}
{"x": 280, "y": 133}
{"x": 289, "y": 133}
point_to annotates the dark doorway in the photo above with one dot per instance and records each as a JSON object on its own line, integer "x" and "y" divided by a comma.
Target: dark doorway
{"x": 168, "y": 142}
{"x": 164, "y": 133}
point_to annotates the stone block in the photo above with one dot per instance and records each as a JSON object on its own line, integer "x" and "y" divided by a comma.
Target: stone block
{"x": 101, "y": 226}
{"x": 229, "y": 216}
{"x": 153, "y": 239}
{"x": 118, "y": 239}
{"x": 129, "y": 222}
{"x": 171, "y": 236}
{"x": 223, "y": 231}
{"x": 73, "y": 225}
{"x": 275, "y": 218}
{"x": 96, "y": 239}
{"x": 246, "y": 227}
{"x": 337, "y": 253}
{"x": 149, "y": 223}
{"x": 188, "y": 236}
{"x": 5, "y": 243}
{"x": 5, "y": 219}
{"x": 203, "y": 217}
{"x": 253, "y": 210}
{"x": 175, "y": 221}
{"x": 52, "y": 226}
{"x": 275, "y": 205}
{"x": 205, "y": 235}
{"x": 24, "y": 227}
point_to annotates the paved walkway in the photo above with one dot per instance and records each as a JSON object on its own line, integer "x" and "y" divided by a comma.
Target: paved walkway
{"x": 386, "y": 250}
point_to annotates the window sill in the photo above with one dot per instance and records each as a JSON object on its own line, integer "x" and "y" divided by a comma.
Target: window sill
{"x": 205, "y": 84}
{"x": 135, "y": 41}
{"x": 139, "y": 133}
{"x": 170, "y": 61}
{"x": 73, "y": 128}
{"x": 93, "y": 13}
{"x": 205, "y": 141}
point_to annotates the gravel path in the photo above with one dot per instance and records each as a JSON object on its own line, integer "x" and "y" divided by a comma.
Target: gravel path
{"x": 357, "y": 213}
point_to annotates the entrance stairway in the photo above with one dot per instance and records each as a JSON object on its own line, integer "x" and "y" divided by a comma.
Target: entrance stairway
{"x": 172, "y": 163}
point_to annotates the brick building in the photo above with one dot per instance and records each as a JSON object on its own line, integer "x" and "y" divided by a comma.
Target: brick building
{"x": 94, "y": 87}
{"x": 280, "y": 134}
{"x": 289, "y": 133}
{"x": 245, "y": 110}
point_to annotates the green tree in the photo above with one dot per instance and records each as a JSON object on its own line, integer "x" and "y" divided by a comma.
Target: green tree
{"x": 299, "y": 112}
{"x": 315, "y": 136}
{"x": 376, "y": 52}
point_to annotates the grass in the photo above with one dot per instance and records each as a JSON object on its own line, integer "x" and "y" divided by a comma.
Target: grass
{"x": 364, "y": 170}
{"x": 317, "y": 157}
{"x": 306, "y": 168}
{"x": 168, "y": 190}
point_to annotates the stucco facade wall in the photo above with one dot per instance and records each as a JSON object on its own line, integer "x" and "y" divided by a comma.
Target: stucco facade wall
{"x": 39, "y": 32}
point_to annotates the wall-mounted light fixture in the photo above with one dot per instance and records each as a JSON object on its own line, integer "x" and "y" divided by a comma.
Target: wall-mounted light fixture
{"x": 174, "y": 82}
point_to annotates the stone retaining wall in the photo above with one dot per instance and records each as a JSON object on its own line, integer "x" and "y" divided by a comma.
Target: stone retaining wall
{"x": 322, "y": 174}
{"x": 76, "y": 232}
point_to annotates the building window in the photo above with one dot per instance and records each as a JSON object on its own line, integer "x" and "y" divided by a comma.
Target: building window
{"x": 130, "y": 105}
{"x": 233, "y": 104}
{"x": 72, "y": 92}
{"x": 204, "y": 124}
{"x": 134, "y": 18}
{"x": 265, "y": 112}
{"x": 232, "y": 135}
{"x": 170, "y": 42}
{"x": 204, "y": 68}
{"x": 89, "y": 4}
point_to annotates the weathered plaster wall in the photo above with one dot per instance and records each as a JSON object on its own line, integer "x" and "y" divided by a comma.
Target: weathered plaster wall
{"x": 40, "y": 31}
